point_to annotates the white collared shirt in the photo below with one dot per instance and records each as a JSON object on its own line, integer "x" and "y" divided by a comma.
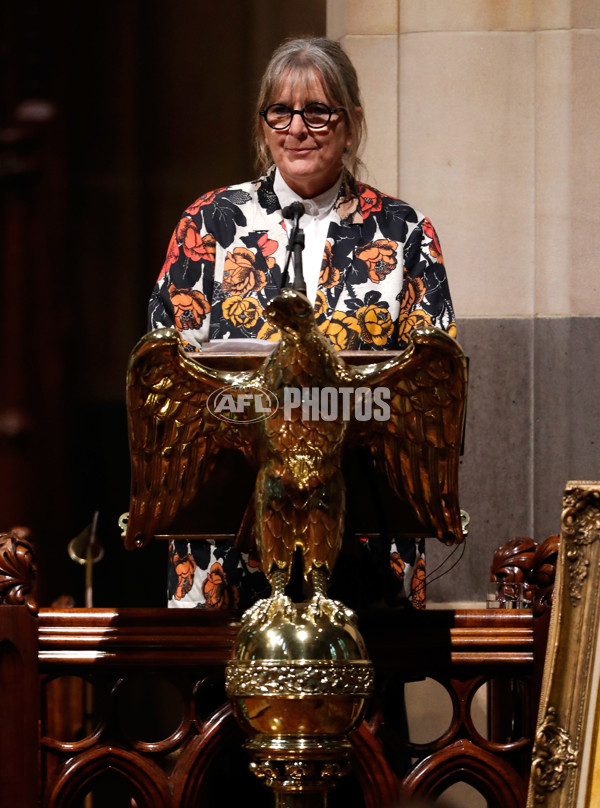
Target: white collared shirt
{"x": 314, "y": 223}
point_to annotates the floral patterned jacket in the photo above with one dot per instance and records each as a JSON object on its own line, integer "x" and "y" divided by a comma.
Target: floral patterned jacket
{"x": 382, "y": 272}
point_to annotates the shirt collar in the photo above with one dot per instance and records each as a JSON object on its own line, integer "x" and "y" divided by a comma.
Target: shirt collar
{"x": 319, "y": 207}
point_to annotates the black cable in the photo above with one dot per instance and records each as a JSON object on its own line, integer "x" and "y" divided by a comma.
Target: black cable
{"x": 428, "y": 579}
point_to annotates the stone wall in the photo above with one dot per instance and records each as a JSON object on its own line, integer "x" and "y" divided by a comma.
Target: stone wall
{"x": 485, "y": 114}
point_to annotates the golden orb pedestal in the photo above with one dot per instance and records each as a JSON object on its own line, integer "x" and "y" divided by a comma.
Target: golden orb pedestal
{"x": 298, "y": 682}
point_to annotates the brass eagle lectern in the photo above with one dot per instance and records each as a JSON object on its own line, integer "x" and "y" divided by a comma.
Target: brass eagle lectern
{"x": 300, "y": 676}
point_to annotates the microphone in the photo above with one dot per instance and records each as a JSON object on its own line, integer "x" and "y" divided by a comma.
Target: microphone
{"x": 295, "y": 245}
{"x": 294, "y": 211}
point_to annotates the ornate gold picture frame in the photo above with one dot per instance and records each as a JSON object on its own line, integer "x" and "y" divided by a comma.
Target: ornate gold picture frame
{"x": 565, "y": 770}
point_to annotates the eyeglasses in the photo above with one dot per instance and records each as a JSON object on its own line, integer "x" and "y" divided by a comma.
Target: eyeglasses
{"x": 315, "y": 115}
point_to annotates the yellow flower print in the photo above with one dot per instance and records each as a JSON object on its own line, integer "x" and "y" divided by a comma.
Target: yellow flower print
{"x": 342, "y": 330}
{"x": 242, "y": 311}
{"x": 320, "y": 303}
{"x": 375, "y": 324}
{"x": 408, "y": 323}
{"x": 269, "y": 332}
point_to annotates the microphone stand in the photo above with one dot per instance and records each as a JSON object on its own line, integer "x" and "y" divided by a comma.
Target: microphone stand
{"x": 294, "y": 247}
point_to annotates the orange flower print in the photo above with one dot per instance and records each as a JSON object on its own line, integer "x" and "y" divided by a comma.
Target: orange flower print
{"x": 214, "y": 588}
{"x": 205, "y": 199}
{"x": 375, "y": 324}
{"x": 253, "y": 560}
{"x": 380, "y": 258}
{"x": 240, "y": 275}
{"x": 417, "y": 585}
{"x": 408, "y": 323}
{"x": 195, "y": 246}
{"x": 268, "y": 332}
{"x": 434, "y": 247}
{"x": 190, "y": 307}
{"x": 172, "y": 256}
{"x": 398, "y": 565}
{"x": 412, "y": 293}
{"x": 208, "y": 249}
{"x": 452, "y": 330}
{"x": 185, "y": 568}
{"x": 370, "y": 200}
{"x": 321, "y": 304}
{"x": 328, "y": 275}
{"x": 267, "y": 246}
{"x": 342, "y": 330}
{"x": 242, "y": 311}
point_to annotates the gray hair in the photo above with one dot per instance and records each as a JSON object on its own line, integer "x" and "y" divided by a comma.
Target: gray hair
{"x": 301, "y": 60}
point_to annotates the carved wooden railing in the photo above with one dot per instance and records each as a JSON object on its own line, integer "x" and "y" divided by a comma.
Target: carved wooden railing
{"x": 132, "y": 701}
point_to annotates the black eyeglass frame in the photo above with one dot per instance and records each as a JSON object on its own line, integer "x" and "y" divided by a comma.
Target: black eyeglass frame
{"x": 264, "y": 112}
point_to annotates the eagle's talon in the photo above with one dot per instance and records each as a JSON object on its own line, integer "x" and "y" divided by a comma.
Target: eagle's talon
{"x": 321, "y": 606}
{"x": 267, "y": 609}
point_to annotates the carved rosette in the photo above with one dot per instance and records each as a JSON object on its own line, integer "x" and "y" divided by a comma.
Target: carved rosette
{"x": 513, "y": 564}
{"x": 17, "y": 570}
{"x": 580, "y": 529}
{"x": 553, "y": 754}
{"x": 514, "y": 560}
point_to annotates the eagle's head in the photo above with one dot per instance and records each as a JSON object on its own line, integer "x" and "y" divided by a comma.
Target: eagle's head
{"x": 291, "y": 312}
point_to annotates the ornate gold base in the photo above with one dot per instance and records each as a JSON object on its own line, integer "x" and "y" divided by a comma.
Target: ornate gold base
{"x": 298, "y": 683}
{"x": 299, "y": 770}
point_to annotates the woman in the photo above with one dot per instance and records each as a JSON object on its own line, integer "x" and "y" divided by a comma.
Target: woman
{"x": 372, "y": 264}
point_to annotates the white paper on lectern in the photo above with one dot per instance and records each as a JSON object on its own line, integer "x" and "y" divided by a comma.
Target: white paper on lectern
{"x": 238, "y": 346}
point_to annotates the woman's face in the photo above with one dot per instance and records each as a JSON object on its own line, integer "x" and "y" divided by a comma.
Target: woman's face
{"x": 310, "y": 160}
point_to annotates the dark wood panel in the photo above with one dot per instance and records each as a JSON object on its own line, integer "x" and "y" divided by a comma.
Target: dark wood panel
{"x": 174, "y": 660}
{"x": 19, "y": 689}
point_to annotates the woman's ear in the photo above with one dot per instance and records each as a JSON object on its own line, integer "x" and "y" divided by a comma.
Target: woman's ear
{"x": 358, "y": 116}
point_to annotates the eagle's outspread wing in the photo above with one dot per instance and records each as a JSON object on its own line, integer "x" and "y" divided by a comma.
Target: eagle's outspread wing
{"x": 172, "y": 434}
{"x": 419, "y": 445}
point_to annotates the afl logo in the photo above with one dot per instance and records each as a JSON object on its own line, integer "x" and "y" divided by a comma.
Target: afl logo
{"x": 242, "y": 406}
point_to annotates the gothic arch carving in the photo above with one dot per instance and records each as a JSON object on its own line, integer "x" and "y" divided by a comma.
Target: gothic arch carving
{"x": 377, "y": 780}
{"x": 465, "y": 762}
{"x": 193, "y": 766}
{"x": 76, "y": 775}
